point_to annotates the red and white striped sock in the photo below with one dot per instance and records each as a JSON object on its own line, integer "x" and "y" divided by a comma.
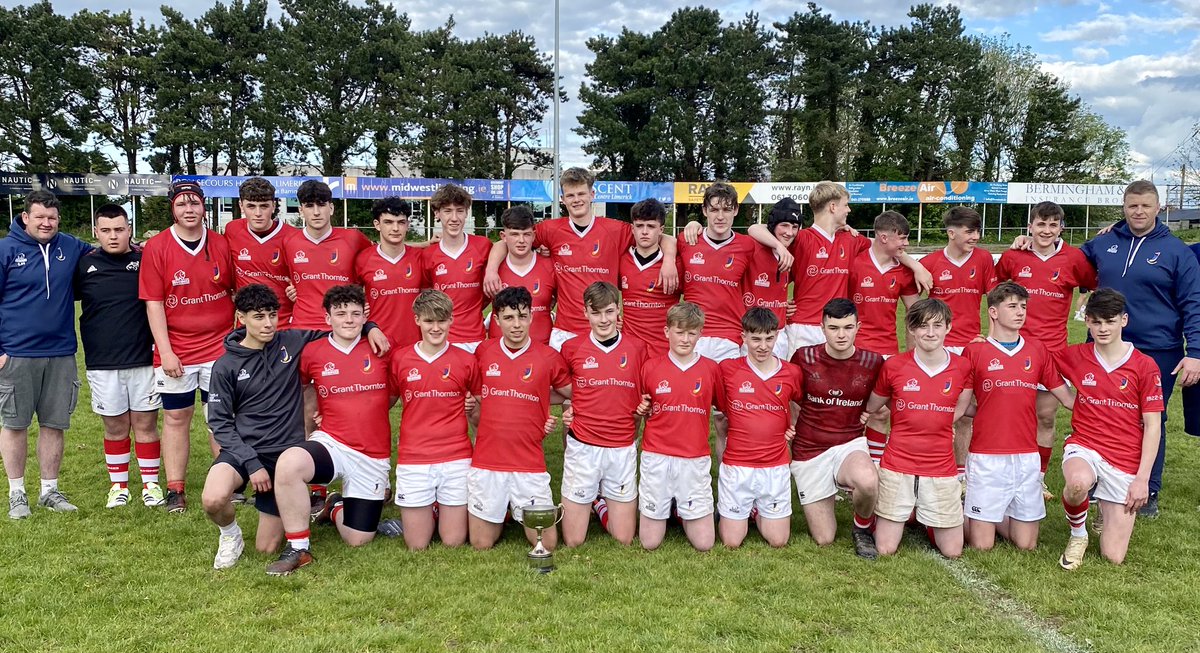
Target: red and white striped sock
{"x": 1077, "y": 517}
{"x": 867, "y": 524}
{"x": 149, "y": 459}
{"x": 335, "y": 512}
{"x": 600, "y": 506}
{"x": 1044, "y": 454}
{"x": 876, "y": 442}
{"x": 116, "y": 456}
{"x": 298, "y": 540}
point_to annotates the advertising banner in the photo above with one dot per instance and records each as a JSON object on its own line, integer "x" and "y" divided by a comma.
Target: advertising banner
{"x": 285, "y": 187}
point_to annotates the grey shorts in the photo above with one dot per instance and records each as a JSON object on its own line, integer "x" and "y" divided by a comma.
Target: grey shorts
{"x": 48, "y": 387}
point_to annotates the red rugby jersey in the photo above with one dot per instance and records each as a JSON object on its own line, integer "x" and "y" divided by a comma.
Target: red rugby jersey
{"x": 392, "y": 285}
{"x": 459, "y": 274}
{"x": 712, "y": 279}
{"x": 608, "y": 388}
{"x": 514, "y": 390}
{"x": 315, "y": 266}
{"x": 1005, "y": 384}
{"x": 680, "y": 399}
{"x": 353, "y": 394}
{"x": 581, "y": 259}
{"x": 538, "y": 279}
{"x": 923, "y": 402}
{"x": 1051, "y": 282}
{"x": 759, "y": 410}
{"x": 876, "y": 289}
{"x": 962, "y": 285}
{"x": 645, "y": 305}
{"x": 821, "y": 270}
{"x": 259, "y": 259}
{"x": 835, "y": 392}
{"x": 433, "y": 427}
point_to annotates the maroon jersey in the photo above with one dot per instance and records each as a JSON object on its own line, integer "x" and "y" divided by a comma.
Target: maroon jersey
{"x": 835, "y": 392}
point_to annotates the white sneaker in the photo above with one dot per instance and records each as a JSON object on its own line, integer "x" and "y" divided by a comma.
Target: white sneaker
{"x": 229, "y": 549}
{"x": 117, "y": 496}
{"x": 152, "y": 495}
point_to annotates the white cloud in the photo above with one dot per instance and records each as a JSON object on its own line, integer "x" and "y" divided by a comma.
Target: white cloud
{"x": 1115, "y": 29}
{"x": 1089, "y": 54}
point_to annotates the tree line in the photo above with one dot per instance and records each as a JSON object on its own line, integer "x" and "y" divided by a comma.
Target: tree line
{"x": 328, "y": 82}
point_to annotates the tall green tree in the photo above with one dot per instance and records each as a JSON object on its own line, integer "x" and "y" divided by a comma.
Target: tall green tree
{"x": 48, "y": 94}
{"x": 1050, "y": 147}
{"x": 125, "y": 63}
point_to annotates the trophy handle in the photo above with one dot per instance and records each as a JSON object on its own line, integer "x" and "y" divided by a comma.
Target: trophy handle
{"x": 559, "y": 507}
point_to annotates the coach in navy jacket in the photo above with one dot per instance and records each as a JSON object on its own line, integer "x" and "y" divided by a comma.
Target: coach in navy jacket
{"x": 1160, "y": 278}
{"x": 37, "y": 346}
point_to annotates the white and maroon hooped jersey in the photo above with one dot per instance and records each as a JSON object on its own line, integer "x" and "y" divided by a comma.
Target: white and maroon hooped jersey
{"x": 923, "y": 402}
{"x": 1005, "y": 384}
{"x": 581, "y": 259}
{"x": 538, "y": 279}
{"x": 962, "y": 285}
{"x": 1110, "y": 401}
{"x": 608, "y": 389}
{"x": 644, "y": 304}
{"x": 764, "y": 286}
{"x": 433, "y": 428}
{"x": 259, "y": 259}
{"x": 1051, "y": 283}
{"x": 460, "y": 275}
{"x": 353, "y": 394}
{"x": 681, "y": 398}
{"x": 514, "y": 391}
{"x": 821, "y": 271}
{"x": 712, "y": 279}
{"x": 876, "y": 289}
{"x": 759, "y": 410}
{"x": 196, "y": 289}
{"x": 392, "y": 285}
{"x": 316, "y": 266}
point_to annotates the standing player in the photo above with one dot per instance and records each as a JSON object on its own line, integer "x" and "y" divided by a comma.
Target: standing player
{"x": 962, "y": 275}
{"x": 928, "y": 388}
{"x": 392, "y": 273}
{"x": 1051, "y": 271}
{"x": 256, "y": 242}
{"x": 764, "y": 285}
{"x": 681, "y": 387}
{"x": 1003, "y": 486}
{"x": 353, "y": 443}
{"x": 186, "y": 280}
{"x": 433, "y": 450}
{"x": 525, "y": 267}
{"x": 119, "y": 354}
{"x": 1115, "y": 428}
{"x": 455, "y": 265}
{"x": 713, "y": 271}
{"x": 518, "y": 380}
{"x": 758, "y": 390}
{"x": 822, "y": 255}
{"x": 600, "y": 458}
{"x": 645, "y": 303}
{"x": 829, "y": 450}
{"x": 320, "y": 256}
{"x": 584, "y": 249}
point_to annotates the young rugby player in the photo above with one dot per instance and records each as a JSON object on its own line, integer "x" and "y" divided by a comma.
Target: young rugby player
{"x": 1115, "y": 427}
{"x": 455, "y": 265}
{"x": 1051, "y": 271}
{"x": 256, "y": 242}
{"x": 600, "y": 458}
{"x": 680, "y": 387}
{"x": 354, "y": 440}
{"x": 829, "y": 450}
{"x": 764, "y": 285}
{"x": 928, "y": 388}
{"x": 1004, "y": 489}
{"x": 392, "y": 273}
{"x": 119, "y": 354}
{"x": 753, "y": 482}
{"x": 518, "y": 380}
{"x": 525, "y": 267}
{"x": 645, "y": 303}
{"x": 186, "y": 280}
{"x": 433, "y": 452}
{"x": 584, "y": 249}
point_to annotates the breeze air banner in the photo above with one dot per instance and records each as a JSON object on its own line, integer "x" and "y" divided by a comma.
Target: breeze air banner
{"x": 927, "y": 192}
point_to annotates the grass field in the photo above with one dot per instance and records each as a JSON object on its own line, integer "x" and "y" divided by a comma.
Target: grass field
{"x": 136, "y": 579}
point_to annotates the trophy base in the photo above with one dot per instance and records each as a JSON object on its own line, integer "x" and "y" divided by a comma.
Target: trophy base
{"x": 542, "y": 564}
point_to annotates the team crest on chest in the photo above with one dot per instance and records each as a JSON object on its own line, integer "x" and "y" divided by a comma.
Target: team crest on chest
{"x": 698, "y": 387}
{"x": 663, "y": 388}
{"x": 729, "y": 261}
{"x": 366, "y": 366}
{"x": 596, "y": 249}
{"x": 244, "y": 255}
{"x": 300, "y": 257}
{"x": 623, "y": 361}
{"x": 333, "y": 258}
{"x": 1028, "y": 366}
{"x": 493, "y": 370}
{"x": 527, "y": 373}
{"x": 946, "y": 275}
{"x": 330, "y": 370}
{"x": 589, "y": 363}
{"x": 20, "y": 260}
{"x": 446, "y": 373}
{"x": 946, "y": 388}
{"x": 912, "y": 385}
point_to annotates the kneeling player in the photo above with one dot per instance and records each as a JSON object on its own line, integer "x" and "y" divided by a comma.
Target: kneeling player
{"x": 433, "y": 452}
{"x": 600, "y": 458}
{"x": 830, "y": 450}
{"x": 928, "y": 389}
{"x": 758, "y": 390}
{"x": 518, "y": 380}
{"x": 353, "y": 442}
{"x": 676, "y": 462}
{"x": 1115, "y": 428}
{"x": 1004, "y": 486}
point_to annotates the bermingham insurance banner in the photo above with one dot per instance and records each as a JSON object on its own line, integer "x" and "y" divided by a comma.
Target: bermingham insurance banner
{"x": 1072, "y": 194}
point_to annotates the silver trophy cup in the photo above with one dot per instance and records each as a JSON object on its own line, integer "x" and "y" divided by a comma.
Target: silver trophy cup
{"x": 538, "y": 518}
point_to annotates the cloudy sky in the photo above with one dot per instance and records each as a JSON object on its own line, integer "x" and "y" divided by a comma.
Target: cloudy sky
{"x": 1136, "y": 63}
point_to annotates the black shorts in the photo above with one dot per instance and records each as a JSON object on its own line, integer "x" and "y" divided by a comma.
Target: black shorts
{"x": 264, "y": 502}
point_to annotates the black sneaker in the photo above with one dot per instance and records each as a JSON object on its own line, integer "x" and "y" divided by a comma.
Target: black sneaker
{"x": 322, "y": 516}
{"x": 176, "y": 502}
{"x": 290, "y": 560}
{"x": 238, "y": 499}
{"x": 1150, "y": 510}
{"x": 864, "y": 543}
{"x": 316, "y": 503}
